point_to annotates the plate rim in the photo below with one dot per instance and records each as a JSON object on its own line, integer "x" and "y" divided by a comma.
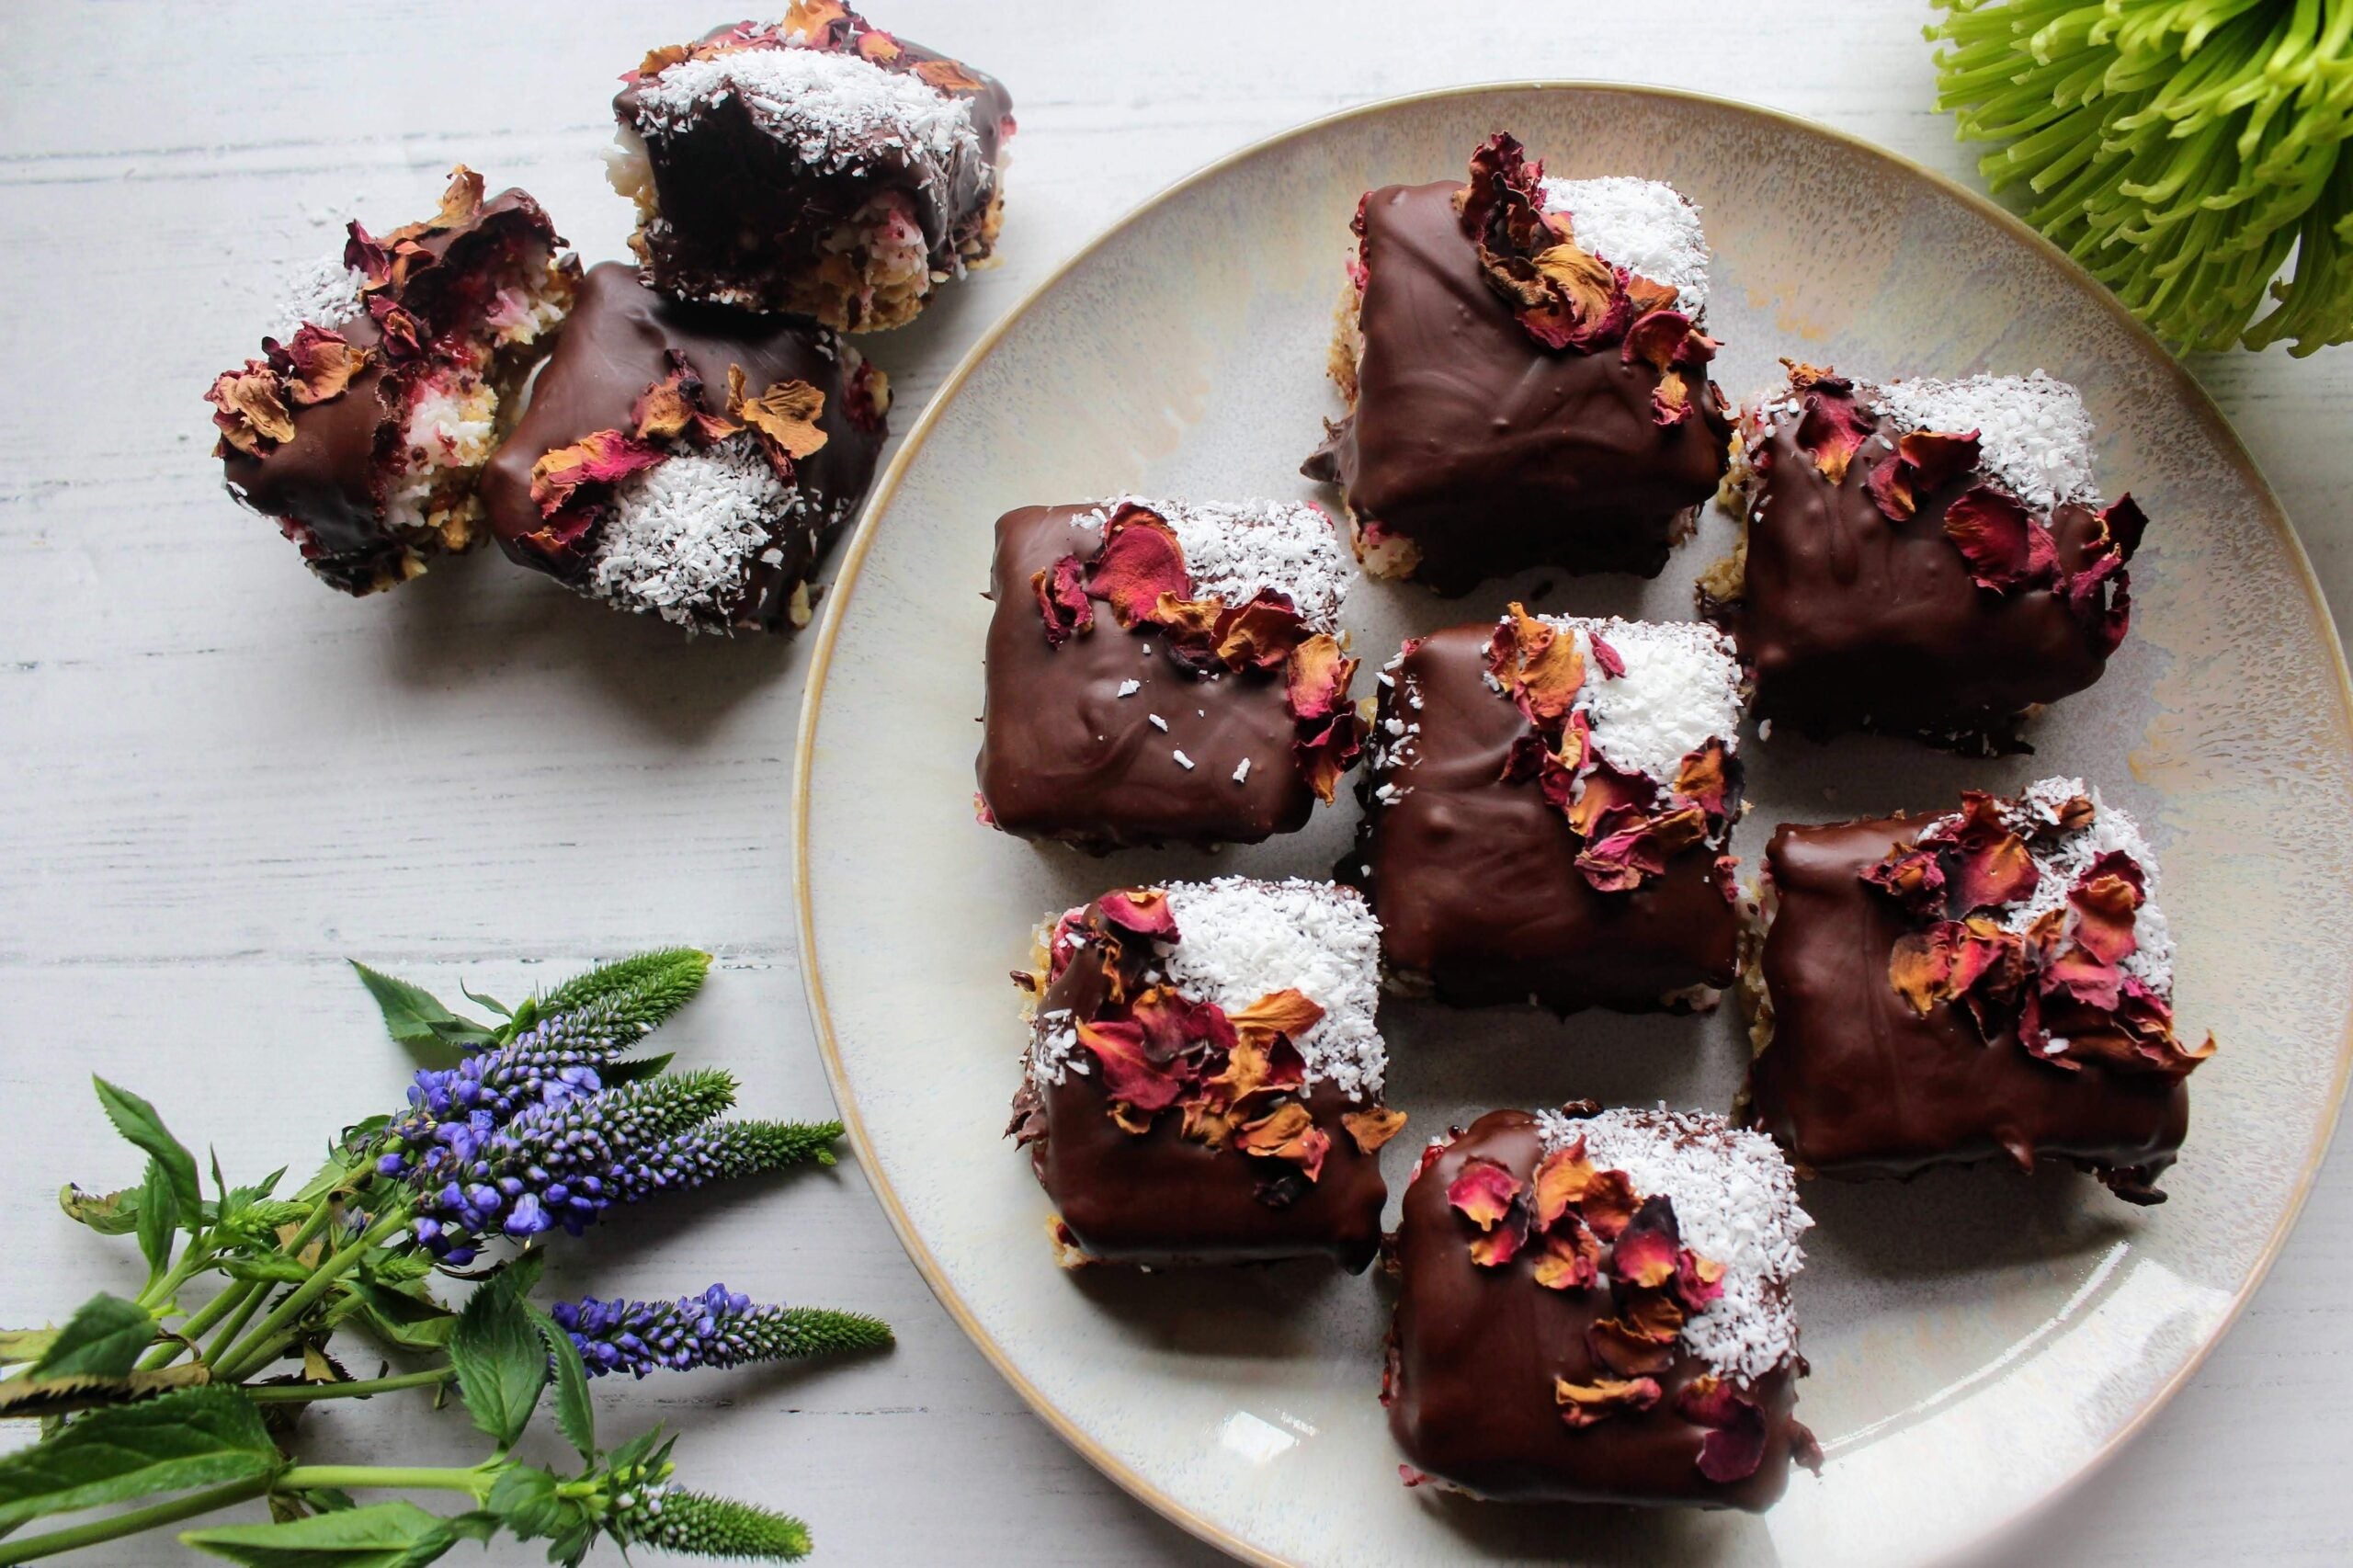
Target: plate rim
{"x": 2194, "y": 397}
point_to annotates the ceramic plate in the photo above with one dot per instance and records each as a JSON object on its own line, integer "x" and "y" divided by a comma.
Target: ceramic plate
{"x": 1978, "y": 1338}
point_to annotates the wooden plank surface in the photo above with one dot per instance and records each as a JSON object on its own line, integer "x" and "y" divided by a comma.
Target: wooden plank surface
{"x": 221, "y": 780}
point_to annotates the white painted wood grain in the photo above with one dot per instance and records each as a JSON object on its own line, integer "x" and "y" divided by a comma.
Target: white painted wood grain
{"x": 221, "y": 779}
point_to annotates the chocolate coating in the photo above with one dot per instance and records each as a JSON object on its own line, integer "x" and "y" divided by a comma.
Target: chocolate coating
{"x": 617, "y": 344}
{"x": 1063, "y": 757}
{"x": 1477, "y": 1351}
{"x": 1475, "y": 880}
{"x": 743, "y": 217}
{"x": 1489, "y": 452}
{"x": 1157, "y": 1198}
{"x": 1851, "y": 619}
{"x": 1855, "y": 1084}
{"x": 327, "y": 485}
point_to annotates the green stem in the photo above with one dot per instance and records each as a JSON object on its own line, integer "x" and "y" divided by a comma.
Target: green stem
{"x": 212, "y": 1312}
{"x": 115, "y": 1526}
{"x": 257, "y": 1346}
{"x": 302, "y": 1394}
{"x": 474, "y": 1481}
{"x": 192, "y": 1263}
{"x": 255, "y": 1296}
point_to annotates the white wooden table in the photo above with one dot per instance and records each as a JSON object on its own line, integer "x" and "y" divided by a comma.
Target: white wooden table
{"x": 221, "y": 780}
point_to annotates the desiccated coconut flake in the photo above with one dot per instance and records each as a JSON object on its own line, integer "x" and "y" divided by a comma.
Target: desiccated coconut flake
{"x": 1240, "y": 938}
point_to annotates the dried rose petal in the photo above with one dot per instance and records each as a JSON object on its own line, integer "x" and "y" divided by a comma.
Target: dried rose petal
{"x": 879, "y": 46}
{"x": 784, "y": 416}
{"x": 1145, "y": 914}
{"x": 319, "y": 365}
{"x": 2123, "y": 522}
{"x": 665, "y": 410}
{"x": 1483, "y": 1191}
{"x": 2106, "y": 898}
{"x": 1140, "y": 561}
{"x": 605, "y": 456}
{"x": 1921, "y": 460}
{"x": 1914, "y": 878}
{"x": 1997, "y": 535}
{"x": 1173, "y": 1023}
{"x": 1321, "y": 757}
{"x": 1287, "y": 1132}
{"x": 1371, "y": 1129}
{"x": 1062, "y": 599}
{"x": 1561, "y": 1179}
{"x": 1697, "y": 1280}
{"x": 1648, "y": 1251}
{"x": 1500, "y": 1245}
{"x": 1130, "y": 1077}
{"x": 1278, "y": 1013}
{"x": 1318, "y": 678}
{"x": 1704, "y": 778}
{"x": 1582, "y": 1404}
{"x": 1259, "y": 634}
{"x": 248, "y": 410}
{"x": 1610, "y": 1204}
{"x": 1832, "y": 428}
{"x": 1992, "y": 873}
{"x": 1734, "y": 1445}
{"x": 949, "y": 76}
{"x": 1568, "y": 1256}
{"x": 1619, "y": 861}
{"x": 1538, "y": 664}
{"x": 1612, "y": 663}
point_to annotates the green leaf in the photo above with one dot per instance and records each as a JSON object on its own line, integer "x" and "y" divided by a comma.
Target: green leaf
{"x": 237, "y": 1199}
{"x": 383, "y": 1535}
{"x": 109, "y": 1213}
{"x": 501, "y": 1364}
{"x": 137, "y": 1120}
{"x": 414, "y": 1016}
{"x": 155, "y": 1228}
{"x": 616, "y": 1074}
{"x": 526, "y": 1500}
{"x": 24, "y": 1344}
{"x": 103, "y": 1340}
{"x": 197, "y": 1437}
{"x": 399, "y": 1317}
{"x": 27, "y": 1396}
{"x": 493, "y": 1003}
{"x": 575, "y": 1414}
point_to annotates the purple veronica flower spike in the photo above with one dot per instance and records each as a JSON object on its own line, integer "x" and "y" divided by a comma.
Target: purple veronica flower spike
{"x": 718, "y": 1328}
{"x": 553, "y": 1061}
{"x": 565, "y": 1162}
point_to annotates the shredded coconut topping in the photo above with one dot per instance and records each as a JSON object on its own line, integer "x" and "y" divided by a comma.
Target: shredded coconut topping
{"x": 1649, "y": 229}
{"x": 2032, "y": 432}
{"x": 2062, "y": 858}
{"x": 1735, "y": 1201}
{"x": 681, "y": 534}
{"x": 323, "y": 292}
{"x": 1240, "y": 938}
{"x": 1681, "y": 690}
{"x": 1233, "y": 548}
{"x": 837, "y": 109}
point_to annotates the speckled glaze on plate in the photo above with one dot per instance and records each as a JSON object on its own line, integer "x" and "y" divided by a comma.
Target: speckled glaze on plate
{"x": 1979, "y": 1339}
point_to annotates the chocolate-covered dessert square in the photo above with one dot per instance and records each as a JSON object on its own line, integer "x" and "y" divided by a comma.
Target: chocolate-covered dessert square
{"x": 1162, "y": 671}
{"x": 817, "y": 165}
{"x": 362, "y": 429}
{"x": 1928, "y": 558}
{"x": 1524, "y": 375}
{"x": 1593, "y": 1307}
{"x": 1548, "y": 802}
{"x": 1204, "y": 1074}
{"x": 690, "y": 461}
{"x": 1947, "y": 990}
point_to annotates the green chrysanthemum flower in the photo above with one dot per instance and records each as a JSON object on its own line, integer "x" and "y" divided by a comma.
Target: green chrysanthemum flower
{"x": 2183, "y": 150}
